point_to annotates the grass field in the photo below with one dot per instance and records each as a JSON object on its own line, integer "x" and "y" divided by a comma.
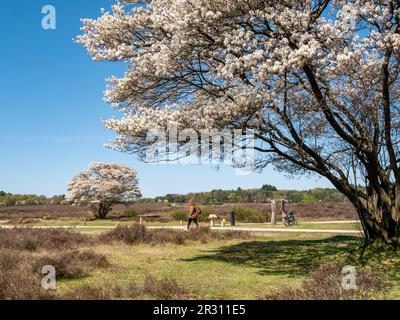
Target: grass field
{"x": 234, "y": 269}
{"x": 213, "y": 269}
{"x": 203, "y": 264}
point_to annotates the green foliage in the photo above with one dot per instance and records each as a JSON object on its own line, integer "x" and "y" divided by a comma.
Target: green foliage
{"x": 130, "y": 213}
{"x": 263, "y": 195}
{"x": 308, "y": 198}
{"x": 179, "y": 214}
{"x": 10, "y": 200}
{"x": 251, "y": 215}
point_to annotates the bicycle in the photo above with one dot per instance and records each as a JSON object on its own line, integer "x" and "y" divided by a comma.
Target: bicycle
{"x": 290, "y": 219}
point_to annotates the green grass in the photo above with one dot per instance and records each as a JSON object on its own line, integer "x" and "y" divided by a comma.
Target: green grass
{"x": 235, "y": 269}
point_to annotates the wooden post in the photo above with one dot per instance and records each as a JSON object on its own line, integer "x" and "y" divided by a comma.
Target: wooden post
{"x": 283, "y": 208}
{"x": 223, "y": 223}
{"x": 141, "y": 220}
{"x": 273, "y": 212}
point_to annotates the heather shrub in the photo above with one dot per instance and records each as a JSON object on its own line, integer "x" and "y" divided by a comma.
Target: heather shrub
{"x": 136, "y": 233}
{"x": 326, "y": 284}
{"x": 88, "y": 292}
{"x": 21, "y": 272}
{"x": 17, "y": 281}
{"x": 153, "y": 288}
{"x": 36, "y": 239}
{"x": 164, "y": 289}
{"x": 71, "y": 264}
{"x": 132, "y": 234}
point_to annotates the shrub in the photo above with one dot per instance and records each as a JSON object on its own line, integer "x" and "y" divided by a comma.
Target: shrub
{"x": 88, "y": 292}
{"x": 71, "y": 264}
{"x": 20, "y": 284}
{"x": 164, "y": 289}
{"x": 251, "y": 215}
{"x": 326, "y": 284}
{"x": 179, "y": 214}
{"x": 130, "y": 213}
{"x": 21, "y": 272}
{"x": 153, "y": 288}
{"x": 36, "y": 239}
{"x": 205, "y": 213}
{"x": 17, "y": 281}
{"x": 136, "y": 233}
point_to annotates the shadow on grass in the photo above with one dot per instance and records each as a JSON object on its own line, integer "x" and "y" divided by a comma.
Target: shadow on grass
{"x": 282, "y": 257}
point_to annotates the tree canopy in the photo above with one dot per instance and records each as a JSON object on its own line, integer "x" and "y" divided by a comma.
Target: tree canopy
{"x": 317, "y": 81}
{"x": 102, "y": 186}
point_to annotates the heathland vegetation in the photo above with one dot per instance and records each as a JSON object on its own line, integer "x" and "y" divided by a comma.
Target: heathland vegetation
{"x": 257, "y": 195}
{"x": 135, "y": 262}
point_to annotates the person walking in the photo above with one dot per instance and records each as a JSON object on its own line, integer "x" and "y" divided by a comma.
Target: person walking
{"x": 193, "y": 214}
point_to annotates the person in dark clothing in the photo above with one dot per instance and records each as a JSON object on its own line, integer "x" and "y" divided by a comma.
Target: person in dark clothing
{"x": 193, "y": 214}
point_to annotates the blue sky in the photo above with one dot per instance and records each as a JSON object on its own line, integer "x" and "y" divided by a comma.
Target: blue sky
{"x": 51, "y": 109}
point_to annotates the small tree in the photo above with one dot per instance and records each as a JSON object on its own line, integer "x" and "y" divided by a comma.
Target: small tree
{"x": 103, "y": 186}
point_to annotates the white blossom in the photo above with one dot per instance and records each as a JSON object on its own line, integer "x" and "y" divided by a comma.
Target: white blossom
{"x": 104, "y": 185}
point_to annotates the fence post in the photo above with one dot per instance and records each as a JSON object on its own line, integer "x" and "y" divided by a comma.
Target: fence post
{"x": 141, "y": 220}
{"x": 273, "y": 212}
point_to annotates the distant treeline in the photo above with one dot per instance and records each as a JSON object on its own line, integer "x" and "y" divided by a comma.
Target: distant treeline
{"x": 9, "y": 199}
{"x": 262, "y": 195}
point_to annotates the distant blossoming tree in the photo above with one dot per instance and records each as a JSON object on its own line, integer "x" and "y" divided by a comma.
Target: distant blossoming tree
{"x": 103, "y": 186}
{"x": 317, "y": 81}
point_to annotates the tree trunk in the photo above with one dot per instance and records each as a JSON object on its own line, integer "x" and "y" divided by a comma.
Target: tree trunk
{"x": 379, "y": 220}
{"x": 101, "y": 210}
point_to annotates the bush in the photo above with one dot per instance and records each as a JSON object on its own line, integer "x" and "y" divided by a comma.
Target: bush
{"x": 71, "y": 264}
{"x": 136, "y": 234}
{"x": 21, "y": 272}
{"x": 160, "y": 289}
{"x": 88, "y": 292}
{"x": 130, "y": 213}
{"x": 19, "y": 283}
{"x": 36, "y": 239}
{"x": 179, "y": 214}
{"x": 164, "y": 289}
{"x": 326, "y": 284}
{"x": 251, "y": 215}
{"x": 205, "y": 213}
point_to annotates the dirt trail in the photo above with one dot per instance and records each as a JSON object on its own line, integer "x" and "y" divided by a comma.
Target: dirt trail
{"x": 248, "y": 229}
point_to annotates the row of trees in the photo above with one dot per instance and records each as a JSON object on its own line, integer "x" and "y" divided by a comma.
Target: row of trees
{"x": 262, "y": 195}
{"x": 9, "y": 199}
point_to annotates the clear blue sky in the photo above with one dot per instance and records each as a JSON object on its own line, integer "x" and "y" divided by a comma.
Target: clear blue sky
{"x": 51, "y": 109}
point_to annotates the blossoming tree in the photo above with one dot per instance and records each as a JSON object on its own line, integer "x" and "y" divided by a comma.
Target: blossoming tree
{"x": 317, "y": 81}
{"x": 102, "y": 186}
